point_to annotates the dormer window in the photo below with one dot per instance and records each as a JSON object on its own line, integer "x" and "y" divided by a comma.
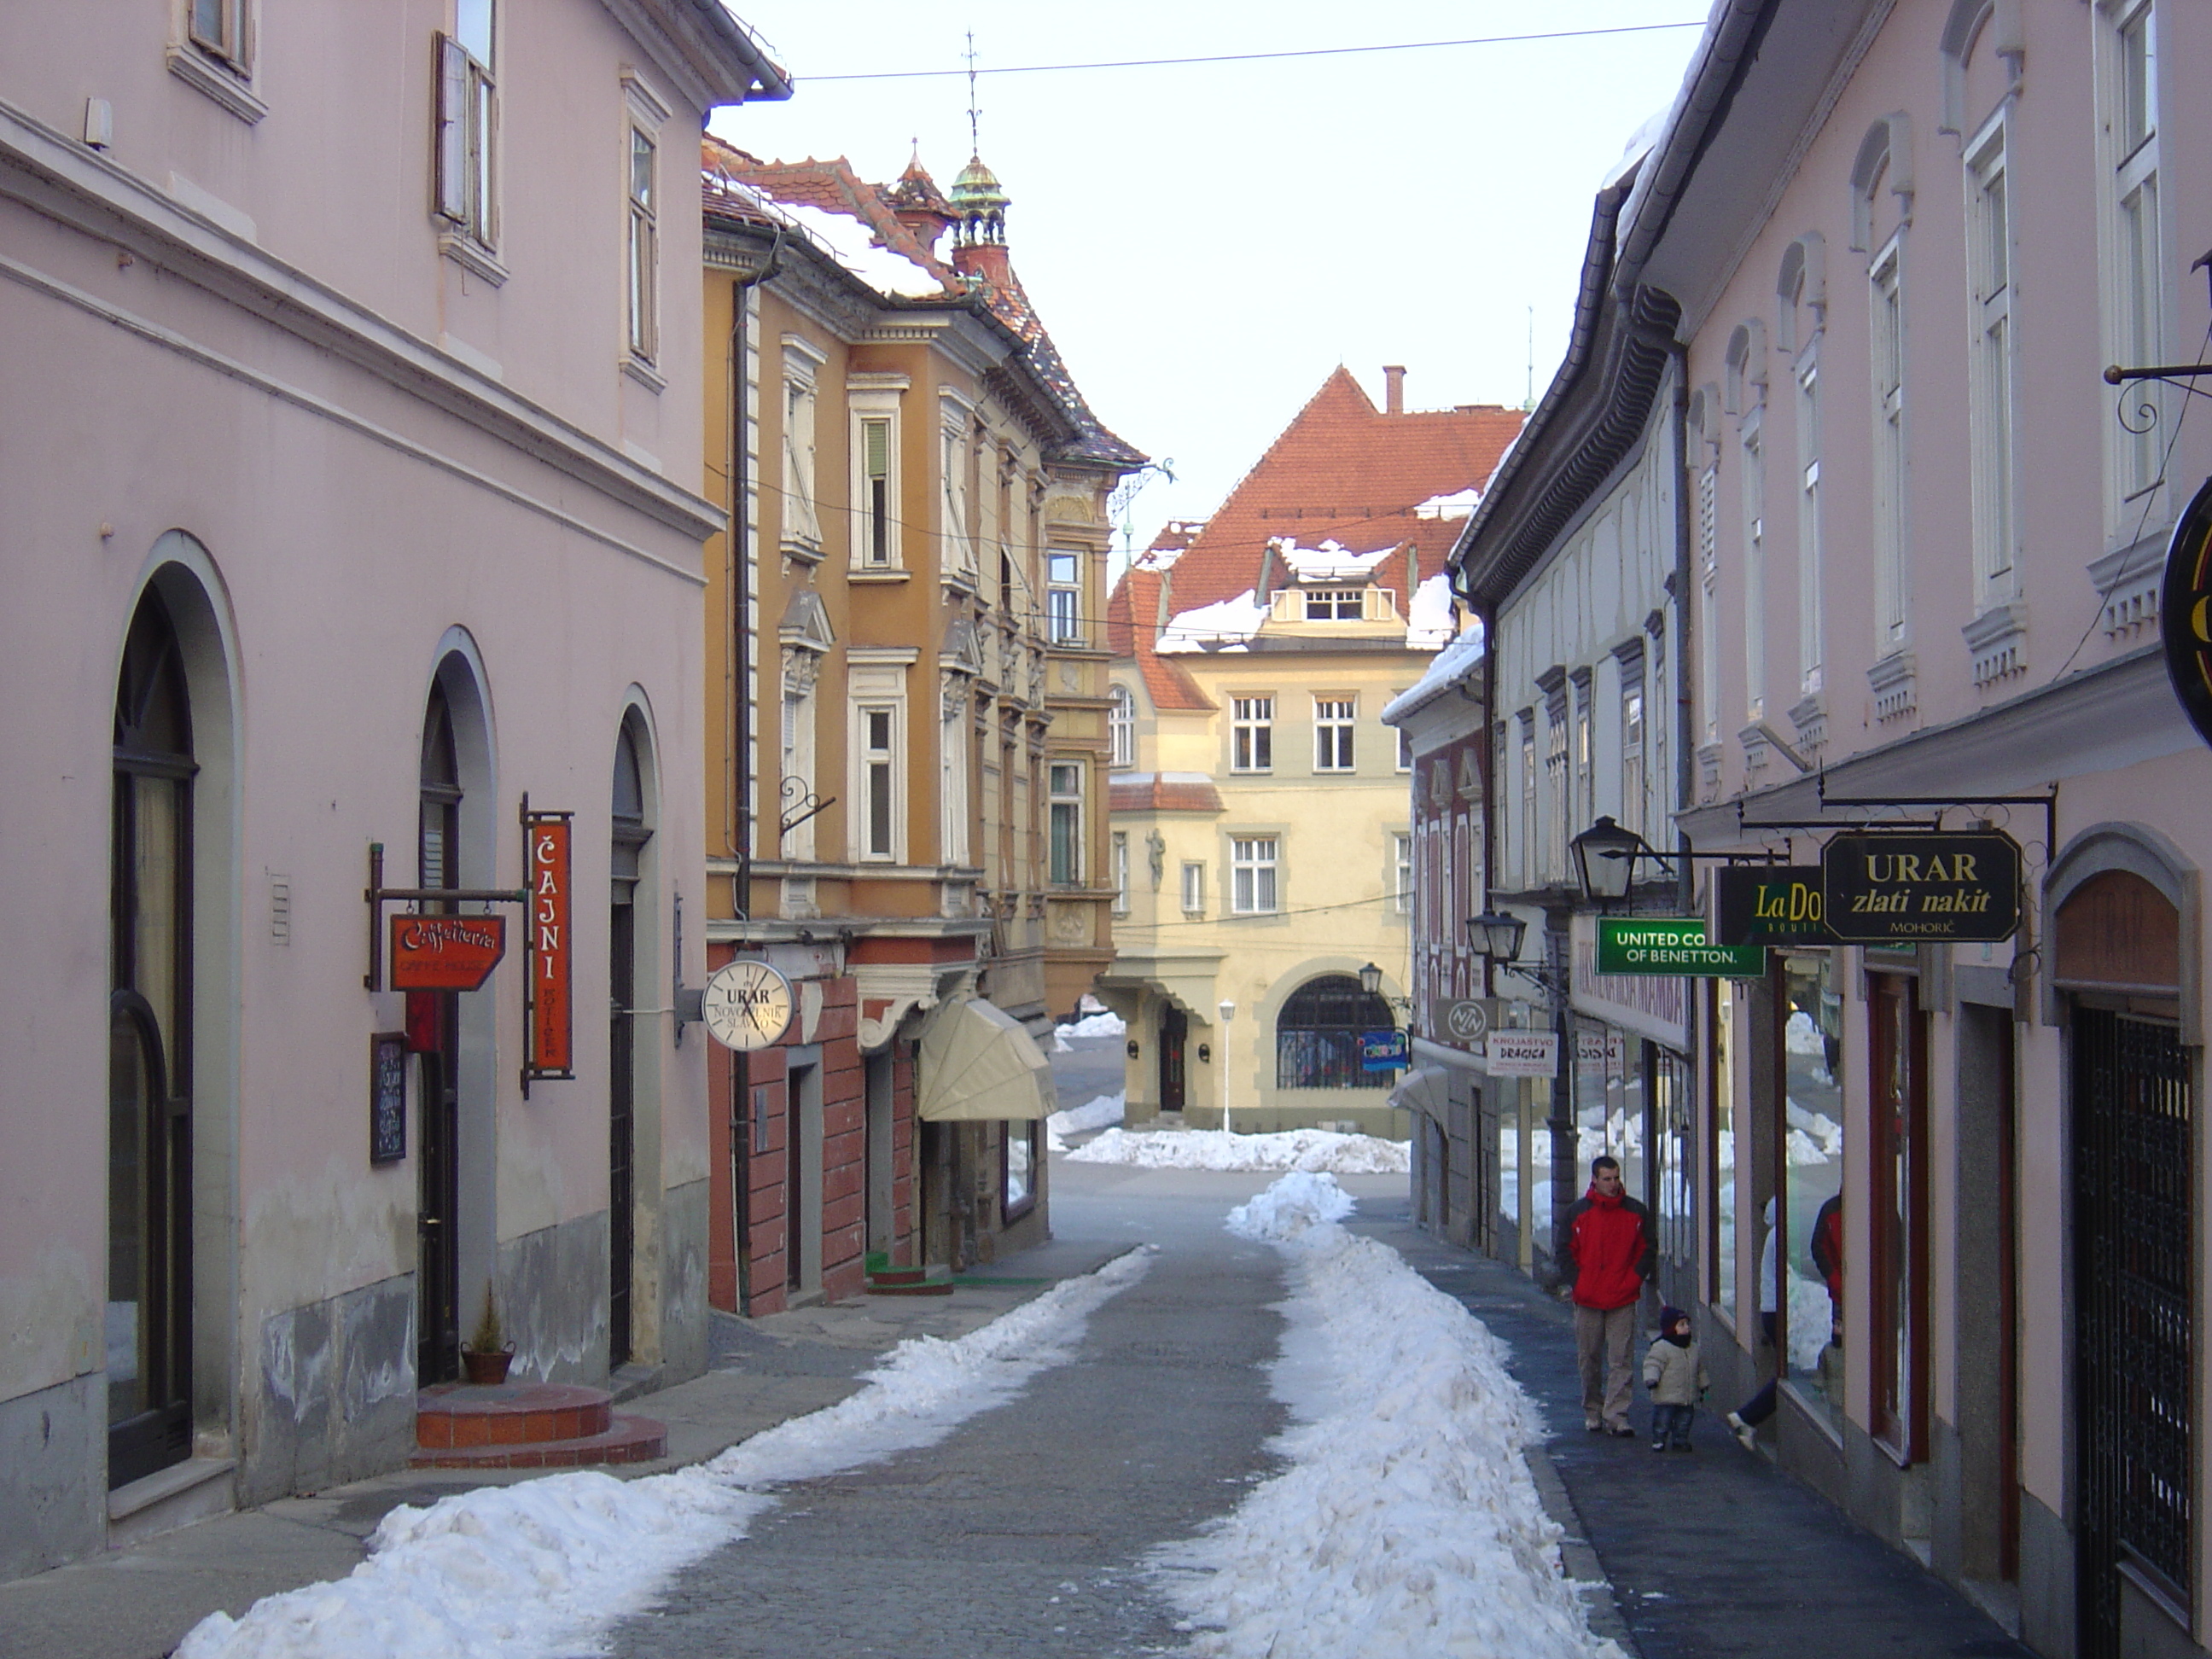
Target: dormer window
{"x": 1333, "y": 604}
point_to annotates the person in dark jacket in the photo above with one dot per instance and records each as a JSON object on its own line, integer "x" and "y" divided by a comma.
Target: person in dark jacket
{"x": 1611, "y": 1252}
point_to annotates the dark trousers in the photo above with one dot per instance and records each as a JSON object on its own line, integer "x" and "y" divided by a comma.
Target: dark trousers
{"x": 1672, "y": 1424}
{"x": 1760, "y": 1407}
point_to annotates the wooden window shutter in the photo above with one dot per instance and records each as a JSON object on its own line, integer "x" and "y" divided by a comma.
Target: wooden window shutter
{"x": 451, "y": 160}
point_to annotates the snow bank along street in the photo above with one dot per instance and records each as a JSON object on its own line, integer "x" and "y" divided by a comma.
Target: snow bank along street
{"x": 1409, "y": 1522}
{"x": 544, "y": 1568}
{"x": 1316, "y": 1150}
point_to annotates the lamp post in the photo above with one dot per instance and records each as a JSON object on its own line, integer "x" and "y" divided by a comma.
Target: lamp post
{"x": 1227, "y": 1010}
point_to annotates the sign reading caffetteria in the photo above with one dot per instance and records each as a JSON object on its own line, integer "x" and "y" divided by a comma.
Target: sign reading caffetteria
{"x": 1899, "y": 889}
{"x": 2185, "y": 612}
{"x": 1769, "y": 904}
{"x": 1672, "y": 944}
{"x": 446, "y": 953}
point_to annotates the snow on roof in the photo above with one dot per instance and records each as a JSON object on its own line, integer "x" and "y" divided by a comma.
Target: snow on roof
{"x": 1226, "y": 623}
{"x": 1329, "y": 562}
{"x": 1445, "y": 668}
{"x": 1457, "y": 505}
{"x": 1430, "y": 623}
{"x": 851, "y": 243}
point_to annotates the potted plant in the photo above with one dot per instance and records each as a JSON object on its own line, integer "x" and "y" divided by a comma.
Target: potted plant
{"x": 487, "y": 1354}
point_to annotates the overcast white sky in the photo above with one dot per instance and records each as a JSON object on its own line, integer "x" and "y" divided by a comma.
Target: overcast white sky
{"x": 1207, "y": 241}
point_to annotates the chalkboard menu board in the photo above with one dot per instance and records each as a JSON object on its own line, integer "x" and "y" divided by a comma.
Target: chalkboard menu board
{"x": 387, "y": 1097}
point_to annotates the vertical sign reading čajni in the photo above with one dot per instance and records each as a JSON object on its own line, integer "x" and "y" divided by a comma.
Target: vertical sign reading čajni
{"x": 552, "y": 1002}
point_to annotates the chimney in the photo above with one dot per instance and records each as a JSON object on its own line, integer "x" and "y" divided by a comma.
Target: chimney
{"x": 1393, "y": 388}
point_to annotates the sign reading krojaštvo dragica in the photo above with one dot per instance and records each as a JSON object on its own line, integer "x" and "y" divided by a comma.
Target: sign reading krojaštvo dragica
{"x": 1894, "y": 888}
{"x": 1672, "y": 944}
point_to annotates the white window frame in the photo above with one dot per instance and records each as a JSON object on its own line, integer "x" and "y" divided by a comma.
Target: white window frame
{"x": 1405, "y": 744}
{"x": 1193, "y": 888}
{"x": 1812, "y": 618}
{"x": 1709, "y": 635}
{"x": 1119, "y": 851}
{"x": 1402, "y": 895}
{"x": 1751, "y": 477}
{"x": 876, "y": 684}
{"x": 1122, "y": 728}
{"x": 1335, "y": 719}
{"x": 1559, "y": 788}
{"x": 874, "y": 402}
{"x": 1886, "y": 366}
{"x": 1063, "y": 595}
{"x": 1255, "y": 875}
{"x": 641, "y": 263}
{"x": 1335, "y": 603}
{"x": 222, "y": 31}
{"x": 1064, "y": 794}
{"x": 1530, "y": 862}
{"x": 1252, "y": 733}
{"x": 1992, "y": 259}
{"x": 956, "y": 418}
{"x": 952, "y": 775}
{"x": 466, "y": 170}
{"x": 2136, "y": 304}
{"x": 798, "y": 514}
{"x": 1635, "y": 745}
{"x": 796, "y": 750}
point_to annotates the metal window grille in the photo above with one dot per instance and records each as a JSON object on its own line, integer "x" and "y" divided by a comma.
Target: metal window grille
{"x": 2133, "y": 1236}
{"x": 1317, "y": 1036}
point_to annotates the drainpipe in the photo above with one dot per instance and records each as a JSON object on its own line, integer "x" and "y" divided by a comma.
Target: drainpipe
{"x": 737, "y": 816}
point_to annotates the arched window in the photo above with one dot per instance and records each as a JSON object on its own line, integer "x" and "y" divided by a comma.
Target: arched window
{"x": 149, "y": 1303}
{"x": 1317, "y": 1035}
{"x": 1122, "y": 728}
{"x": 630, "y": 833}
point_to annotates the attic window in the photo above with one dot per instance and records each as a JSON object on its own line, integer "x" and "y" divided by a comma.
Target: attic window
{"x": 1333, "y": 604}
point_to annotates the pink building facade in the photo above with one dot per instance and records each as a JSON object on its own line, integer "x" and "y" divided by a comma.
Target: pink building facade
{"x": 1915, "y": 574}
{"x": 355, "y": 500}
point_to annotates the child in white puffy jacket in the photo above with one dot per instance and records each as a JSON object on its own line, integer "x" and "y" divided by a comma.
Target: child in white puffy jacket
{"x": 1676, "y": 1377}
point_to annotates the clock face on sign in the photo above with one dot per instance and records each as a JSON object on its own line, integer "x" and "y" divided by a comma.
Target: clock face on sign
{"x": 747, "y": 1004}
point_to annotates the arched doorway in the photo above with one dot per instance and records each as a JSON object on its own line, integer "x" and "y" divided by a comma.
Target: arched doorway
{"x": 1317, "y": 1035}
{"x": 434, "y": 1024}
{"x": 150, "y": 1221}
{"x": 630, "y": 832}
{"x": 2117, "y": 959}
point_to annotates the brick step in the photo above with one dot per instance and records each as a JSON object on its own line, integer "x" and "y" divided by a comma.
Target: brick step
{"x": 458, "y": 1416}
{"x": 627, "y": 1440}
{"x": 898, "y": 1275}
{"x": 911, "y": 1287}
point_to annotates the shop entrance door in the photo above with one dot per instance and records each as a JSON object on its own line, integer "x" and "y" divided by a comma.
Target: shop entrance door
{"x": 433, "y": 1021}
{"x": 2133, "y": 1236}
{"x": 1174, "y": 1028}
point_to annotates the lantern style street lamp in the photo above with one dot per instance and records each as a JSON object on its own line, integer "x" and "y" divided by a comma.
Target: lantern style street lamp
{"x": 1605, "y": 857}
{"x": 1371, "y": 979}
{"x": 1227, "y": 1010}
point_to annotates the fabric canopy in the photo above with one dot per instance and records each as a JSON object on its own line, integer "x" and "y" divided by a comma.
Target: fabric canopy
{"x": 1421, "y": 1091}
{"x": 978, "y": 1062}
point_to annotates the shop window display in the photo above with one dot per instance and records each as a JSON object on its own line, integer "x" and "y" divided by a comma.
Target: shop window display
{"x": 1722, "y": 1011}
{"x": 1812, "y": 1266}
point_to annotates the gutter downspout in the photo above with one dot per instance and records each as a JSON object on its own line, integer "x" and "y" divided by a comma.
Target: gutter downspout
{"x": 737, "y": 826}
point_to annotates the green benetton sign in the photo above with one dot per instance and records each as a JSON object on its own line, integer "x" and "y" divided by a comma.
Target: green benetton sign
{"x": 1672, "y": 944}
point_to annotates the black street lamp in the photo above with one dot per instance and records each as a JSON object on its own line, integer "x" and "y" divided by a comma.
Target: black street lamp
{"x": 1605, "y": 857}
{"x": 1371, "y": 979}
{"x": 1496, "y": 935}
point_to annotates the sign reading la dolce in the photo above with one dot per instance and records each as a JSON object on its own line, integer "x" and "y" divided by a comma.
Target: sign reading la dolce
{"x": 1901, "y": 889}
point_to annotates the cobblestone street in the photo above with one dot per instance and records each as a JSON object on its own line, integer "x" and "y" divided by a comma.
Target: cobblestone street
{"x": 1025, "y": 1531}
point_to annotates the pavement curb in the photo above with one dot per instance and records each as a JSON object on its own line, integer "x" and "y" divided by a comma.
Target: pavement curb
{"x": 1578, "y": 1557}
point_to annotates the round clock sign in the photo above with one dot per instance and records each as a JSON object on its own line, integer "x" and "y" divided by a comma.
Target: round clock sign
{"x": 747, "y": 1004}
{"x": 2185, "y": 612}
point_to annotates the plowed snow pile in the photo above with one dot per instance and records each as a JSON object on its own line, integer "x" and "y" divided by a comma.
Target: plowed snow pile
{"x": 547, "y": 1567}
{"x": 1409, "y": 1522}
{"x": 1320, "y": 1151}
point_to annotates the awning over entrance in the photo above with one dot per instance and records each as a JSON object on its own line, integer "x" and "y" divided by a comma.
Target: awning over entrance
{"x": 978, "y": 1063}
{"x": 1422, "y": 1091}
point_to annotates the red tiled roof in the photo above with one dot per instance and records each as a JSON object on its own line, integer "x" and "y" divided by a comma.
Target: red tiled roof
{"x": 833, "y": 186}
{"x": 1148, "y": 792}
{"x": 1343, "y": 471}
{"x": 1132, "y": 623}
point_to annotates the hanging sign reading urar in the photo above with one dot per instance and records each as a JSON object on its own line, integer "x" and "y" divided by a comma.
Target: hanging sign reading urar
{"x": 1895, "y": 888}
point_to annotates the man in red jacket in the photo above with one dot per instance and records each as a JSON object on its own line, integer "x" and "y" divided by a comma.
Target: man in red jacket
{"x": 1611, "y": 1251}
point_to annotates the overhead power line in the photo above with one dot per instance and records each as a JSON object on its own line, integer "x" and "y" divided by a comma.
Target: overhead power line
{"x": 1259, "y": 56}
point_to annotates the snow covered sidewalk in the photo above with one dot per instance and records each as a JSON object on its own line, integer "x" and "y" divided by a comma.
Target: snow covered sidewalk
{"x": 1408, "y": 1522}
{"x": 1316, "y": 1150}
{"x": 547, "y": 1567}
